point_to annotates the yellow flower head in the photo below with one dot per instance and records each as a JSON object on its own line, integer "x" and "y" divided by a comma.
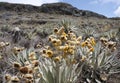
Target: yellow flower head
{"x": 1, "y": 57}
{"x": 60, "y": 31}
{"x": 61, "y": 48}
{"x": 72, "y": 47}
{"x": 103, "y": 40}
{"x": 64, "y": 34}
{"x": 71, "y": 51}
{"x": 79, "y": 38}
{"x": 88, "y": 39}
{"x": 86, "y": 43}
{"x": 74, "y": 61}
{"x": 32, "y": 56}
{"x": 16, "y": 65}
{"x": 66, "y": 47}
{"x": 44, "y": 51}
{"x": 29, "y": 81}
{"x": 92, "y": 41}
{"x": 113, "y": 49}
{"x": 89, "y": 46}
{"x": 39, "y": 75}
{"x": 111, "y": 44}
{"x": 24, "y": 70}
{"x": 31, "y": 71}
{"x": 92, "y": 38}
{"x": 36, "y": 69}
{"x": 16, "y": 50}
{"x": 47, "y": 47}
{"x": 7, "y": 77}
{"x": 49, "y": 53}
{"x": 71, "y": 42}
{"x": 50, "y": 39}
{"x": 77, "y": 42}
{"x": 56, "y": 59}
{"x": 91, "y": 49}
{"x": 57, "y": 42}
{"x": 28, "y": 76}
{"x": 104, "y": 76}
{"x": 38, "y": 46}
{"x": 54, "y": 41}
{"x": 35, "y": 63}
{"x": 63, "y": 38}
{"x": 83, "y": 44}
{"x": 83, "y": 58}
{"x": 72, "y": 36}
{"x": 2, "y": 44}
{"x": 27, "y": 63}
{"x": 7, "y": 43}
{"x": 15, "y": 79}
{"x": 55, "y": 30}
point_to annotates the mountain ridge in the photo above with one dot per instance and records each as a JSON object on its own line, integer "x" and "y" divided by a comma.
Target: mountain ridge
{"x": 51, "y": 8}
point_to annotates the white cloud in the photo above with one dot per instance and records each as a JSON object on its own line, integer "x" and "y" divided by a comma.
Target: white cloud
{"x": 117, "y": 12}
{"x": 117, "y": 2}
{"x": 94, "y": 2}
{"x": 32, "y": 2}
{"x": 110, "y": 1}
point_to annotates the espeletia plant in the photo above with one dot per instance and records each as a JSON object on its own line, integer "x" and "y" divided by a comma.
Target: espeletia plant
{"x": 66, "y": 58}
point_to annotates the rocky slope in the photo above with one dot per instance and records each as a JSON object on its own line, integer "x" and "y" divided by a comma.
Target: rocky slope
{"x": 67, "y": 9}
{"x": 27, "y": 16}
{"x": 54, "y": 8}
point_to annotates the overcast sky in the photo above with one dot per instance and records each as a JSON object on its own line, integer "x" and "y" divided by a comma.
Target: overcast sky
{"x": 109, "y": 8}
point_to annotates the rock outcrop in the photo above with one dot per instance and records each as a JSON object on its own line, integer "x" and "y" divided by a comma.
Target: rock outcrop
{"x": 67, "y": 9}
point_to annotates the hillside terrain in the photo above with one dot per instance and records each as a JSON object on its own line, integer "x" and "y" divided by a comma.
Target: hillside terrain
{"x": 18, "y": 14}
{"x": 37, "y": 22}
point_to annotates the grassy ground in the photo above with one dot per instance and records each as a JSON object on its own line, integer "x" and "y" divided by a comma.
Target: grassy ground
{"x": 35, "y": 28}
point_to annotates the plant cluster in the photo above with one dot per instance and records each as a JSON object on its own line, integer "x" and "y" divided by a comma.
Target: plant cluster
{"x": 26, "y": 65}
{"x": 3, "y": 44}
{"x": 65, "y": 59}
{"x": 99, "y": 59}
